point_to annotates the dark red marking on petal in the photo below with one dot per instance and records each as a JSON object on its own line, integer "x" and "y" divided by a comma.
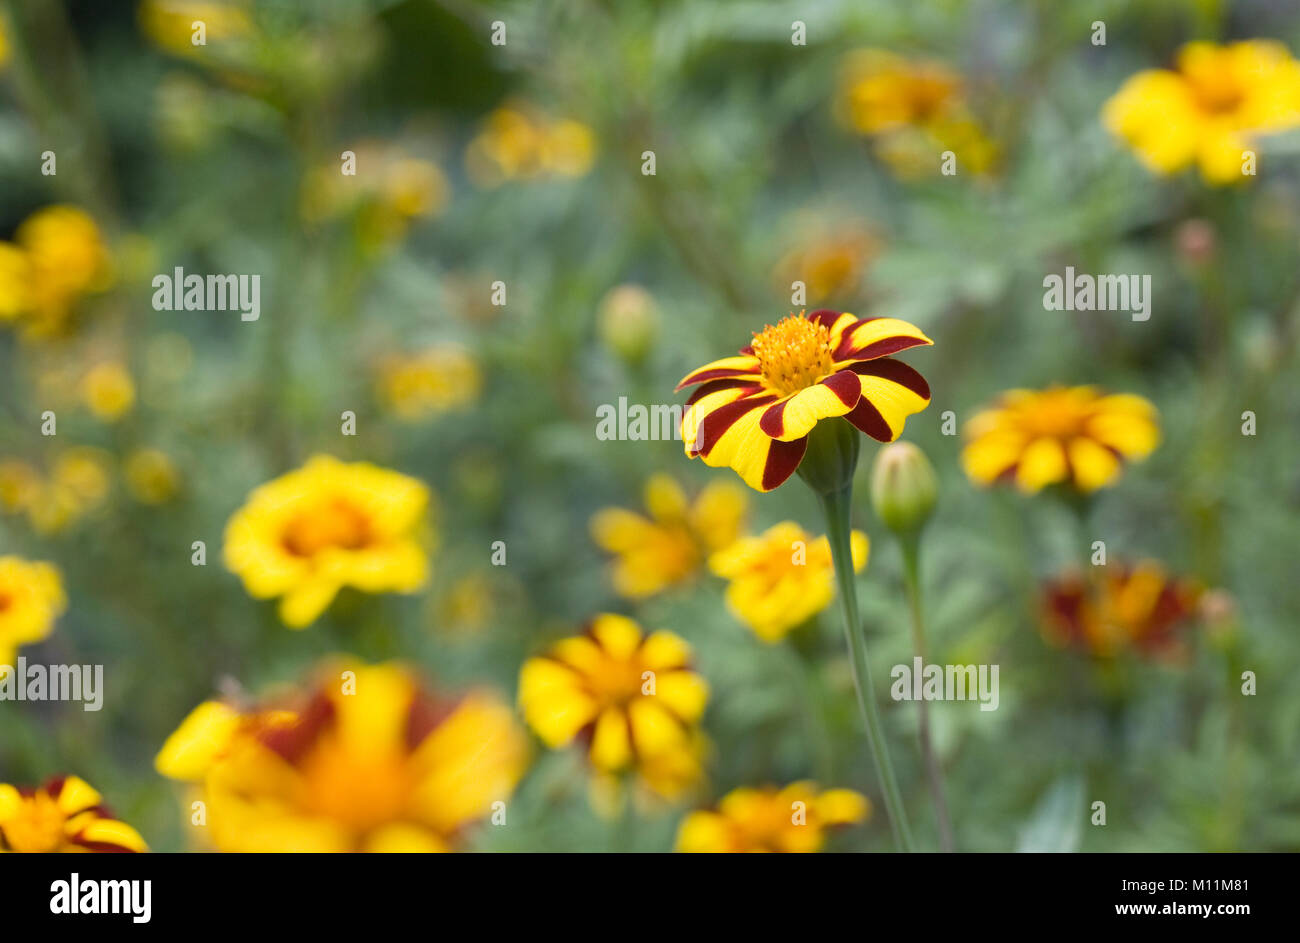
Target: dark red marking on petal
{"x": 715, "y": 386}
{"x": 425, "y": 715}
{"x": 773, "y": 419}
{"x": 717, "y": 373}
{"x": 896, "y": 371}
{"x": 868, "y": 419}
{"x": 713, "y": 426}
{"x": 845, "y": 385}
{"x": 881, "y": 348}
{"x": 782, "y": 460}
{"x": 101, "y": 847}
{"x": 293, "y": 740}
{"x": 825, "y": 317}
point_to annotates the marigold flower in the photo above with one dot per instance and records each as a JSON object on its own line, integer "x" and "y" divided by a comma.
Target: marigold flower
{"x": 667, "y": 547}
{"x": 1210, "y": 109}
{"x": 1137, "y": 607}
{"x": 517, "y": 142}
{"x": 31, "y": 598}
{"x": 151, "y": 476}
{"x": 57, "y": 255}
{"x": 64, "y": 815}
{"x": 632, "y": 699}
{"x": 108, "y": 391}
{"x": 909, "y": 106}
{"x": 793, "y": 819}
{"x": 1076, "y": 435}
{"x": 307, "y": 534}
{"x": 830, "y": 265}
{"x": 435, "y": 380}
{"x": 363, "y": 760}
{"x": 782, "y": 578}
{"x": 754, "y": 412}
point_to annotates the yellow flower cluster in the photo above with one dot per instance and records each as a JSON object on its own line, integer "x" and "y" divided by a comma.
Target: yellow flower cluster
{"x": 57, "y": 256}
{"x": 668, "y": 545}
{"x": 65, "y": 814}
{"x": 77, "y": 483}
{"x": 794, "y": 819}
{"x": 1210, "y": 109}
{"x": 31, "y": 598}
{"x": 912, "y": 110}
{"x": 632, "y": 699}
{"x": 781, "y": 578}
{"x": 307, "y": 534}
{"x": 1076, "y": 436}
{"x": 431, "y": 381}
{"x": 386, "y": 193}
{"x": 518, "y": 142}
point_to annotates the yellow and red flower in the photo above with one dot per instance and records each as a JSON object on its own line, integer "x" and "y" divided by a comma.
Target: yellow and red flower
{"x": 327, "y": 525}
{"x": 1209, "y": 111}
{"x": 632, "y": 699}
{"x": 364, "y": 759}
{"x": 64, "y": 815}
{"x": 1074, "y": 435}
{"x": 667, "y": 546}
{"x": 753, "y": 412}
{"x": 793, "y": 819}
{"x": 1138, "y": 607}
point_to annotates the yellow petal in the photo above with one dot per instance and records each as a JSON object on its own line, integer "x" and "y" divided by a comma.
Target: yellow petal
{"x": 202, "y": 736}
{"x": 1042, "y": 464}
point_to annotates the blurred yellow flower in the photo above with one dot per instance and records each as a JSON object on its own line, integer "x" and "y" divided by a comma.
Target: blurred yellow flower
{"x": 781, "y": 579}
{"x": 19, "y": 483}
{"x": 753, "y": 412}
{"x": 632, "y": 699}
{"x": 170, "y": 23}
{"x": 151, "y": 477}
{"x": 667, "y": 547}
{"x": 912, "y": 108}
{"x": 1075, "y": 435}
{"x": 435, "y": 380}
{"x": 1210, "y": 110}
{"x": 4, "y": 43}
{"x": 309, "y": 533}
{"x": 108, "y": 391}
{"x": 31, "y": 598}
{"x": 64, "y": 815}
{"x": 364, "y": 759}
{"x": 1138, "y": 607}
{"x": 793, "y": 819}
{"x": 387, "y": 192}
{"x": 57, "y": 255}
{"x": 517, "y": 142}
{"x": 830, "y": 265}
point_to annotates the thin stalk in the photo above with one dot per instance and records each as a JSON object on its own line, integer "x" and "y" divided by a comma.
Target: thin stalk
{"x": 911, "y": 547}
{"x": 835, "y": 506}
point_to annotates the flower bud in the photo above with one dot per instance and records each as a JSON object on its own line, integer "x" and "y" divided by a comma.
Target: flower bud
{"x": 629, "y": 322}
{"x": 903, "y": 487}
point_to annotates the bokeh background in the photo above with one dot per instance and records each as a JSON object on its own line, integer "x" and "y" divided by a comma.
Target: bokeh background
{"x": 522, "y": 164}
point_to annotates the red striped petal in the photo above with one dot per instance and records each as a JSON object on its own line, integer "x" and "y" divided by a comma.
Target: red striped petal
{"x": 713, "y": 426}
{"x": 782, "y": 460}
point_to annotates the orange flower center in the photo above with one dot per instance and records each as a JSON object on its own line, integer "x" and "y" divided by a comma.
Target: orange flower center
{"x": 793, "y": 354}
{"x": 334, "y": 524}
{"x": 615, "y": 683}
{"x": 363, "y": 792}
{"x": 5, "y": 601}
{"x": 1058, "y": 414}
{"x": 1219, "y": 97}
{"x": 37, "y": 827}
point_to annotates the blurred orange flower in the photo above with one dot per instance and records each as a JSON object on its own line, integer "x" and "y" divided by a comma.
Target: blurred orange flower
{"x": 793, "y": 819}
{"x": 64, "y": 815}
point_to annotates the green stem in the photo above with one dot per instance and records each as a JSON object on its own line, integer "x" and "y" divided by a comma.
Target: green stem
{"x": 911, "y": 547}
{"x": 835, "y": 507}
